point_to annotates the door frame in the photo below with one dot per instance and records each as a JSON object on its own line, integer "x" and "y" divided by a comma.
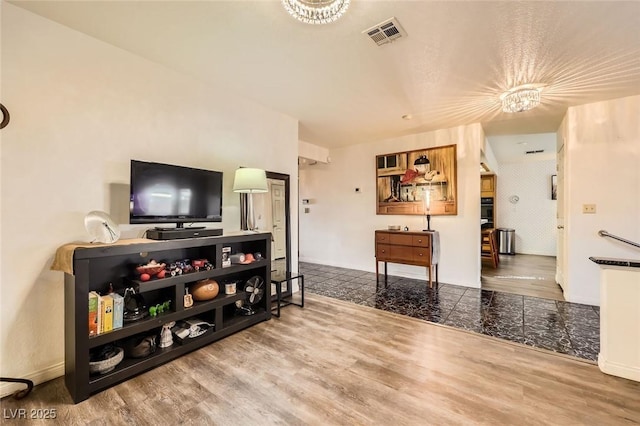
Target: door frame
{"x": 287, "y": 212}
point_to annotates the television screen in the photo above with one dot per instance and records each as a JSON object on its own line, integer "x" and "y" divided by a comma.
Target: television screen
{"x": 162, "y": 193}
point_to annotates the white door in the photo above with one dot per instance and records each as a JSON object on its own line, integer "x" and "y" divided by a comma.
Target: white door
{"x": 560, "y": 255}
{"x": 279, "y": 223}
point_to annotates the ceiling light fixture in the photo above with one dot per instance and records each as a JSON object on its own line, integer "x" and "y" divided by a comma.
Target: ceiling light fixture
{"x": 521, "y": 98}
{"x": 316, "y": 11}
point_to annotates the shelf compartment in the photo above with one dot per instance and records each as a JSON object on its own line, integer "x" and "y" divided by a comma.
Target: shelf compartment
{"x": 159, "y": 283}
{"x": 136, "y": 327}
{"x": 158, "y": 321}
{"x": 133, "y": 366}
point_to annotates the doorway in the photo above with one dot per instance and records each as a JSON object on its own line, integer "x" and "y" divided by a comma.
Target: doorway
{"x": 272, "y": 210}
{"x": 523, "y": 274}
{"x": 526, "y": 212}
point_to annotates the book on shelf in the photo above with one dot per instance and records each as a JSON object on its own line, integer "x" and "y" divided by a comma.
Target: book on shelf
{"x": 93, "y": 314}
{"x": 106, "y": 313}
{"x": 118, "y": 310}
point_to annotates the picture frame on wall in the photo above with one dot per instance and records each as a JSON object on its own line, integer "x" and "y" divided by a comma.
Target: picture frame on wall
{"x": 418, "y": 182}
{"x": 554, "y": 187}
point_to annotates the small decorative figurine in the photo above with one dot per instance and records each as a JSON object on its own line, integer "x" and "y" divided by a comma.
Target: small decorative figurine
{"x": 201, "y": 265}
{"x": 160, "y": 308}
{"x": 166, "y": 337}
{"x": 188, "y": 299}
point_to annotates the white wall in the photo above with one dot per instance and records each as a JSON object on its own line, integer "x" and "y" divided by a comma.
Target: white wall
{"x": 534, "y": 215}
{"x": 339, "y": 229}
{"x": 313, "y": 152}
{"x": 80, "y": 110}
{"x": 602, "y": 167}
{"x": 489, "y": 157}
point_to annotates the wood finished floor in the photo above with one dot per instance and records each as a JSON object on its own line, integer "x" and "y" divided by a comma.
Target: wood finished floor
{"x": 338, "y": 363}
{"x": 524, "y": 274}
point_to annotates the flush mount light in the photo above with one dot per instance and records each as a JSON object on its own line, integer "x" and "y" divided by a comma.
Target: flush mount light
{"x": 521, "y": 98}
{"x": 316, "y": 11}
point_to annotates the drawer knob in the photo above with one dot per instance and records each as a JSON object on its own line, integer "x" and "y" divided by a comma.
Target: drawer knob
{"x": 420, "y": 254}
{"x": 383, "y": 251}
{"x": 419, "y": 241}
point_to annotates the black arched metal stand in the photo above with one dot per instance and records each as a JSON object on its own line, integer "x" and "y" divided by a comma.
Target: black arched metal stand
{"x": 21, "y": 393}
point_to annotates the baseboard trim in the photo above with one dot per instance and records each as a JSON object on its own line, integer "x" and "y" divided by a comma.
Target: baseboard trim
{"x": 36, "y": 377}
{"x": 620, "y": 370}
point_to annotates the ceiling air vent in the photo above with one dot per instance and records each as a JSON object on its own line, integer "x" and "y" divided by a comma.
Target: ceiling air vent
{"x": 537, "y": 151}
{"x": 385, "y": 32}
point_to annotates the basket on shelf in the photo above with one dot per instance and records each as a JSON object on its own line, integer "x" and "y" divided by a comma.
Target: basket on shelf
{"x": 106, "y": 360}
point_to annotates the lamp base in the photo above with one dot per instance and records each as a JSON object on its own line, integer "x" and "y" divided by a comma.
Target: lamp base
{"x": 428, "y": 224}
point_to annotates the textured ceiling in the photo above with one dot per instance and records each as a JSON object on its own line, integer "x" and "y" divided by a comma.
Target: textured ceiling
{"x": 456, "y": 60}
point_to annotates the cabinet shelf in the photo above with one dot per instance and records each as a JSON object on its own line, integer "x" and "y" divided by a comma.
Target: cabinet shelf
{"x": 94, "y": 266}
{"x": 132, "y": 366}
{"x": 159, "y": 283}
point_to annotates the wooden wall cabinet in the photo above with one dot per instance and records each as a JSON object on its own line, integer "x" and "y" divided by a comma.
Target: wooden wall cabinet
{"x": 95, "y": 267}
{"x": 488, "y": 185}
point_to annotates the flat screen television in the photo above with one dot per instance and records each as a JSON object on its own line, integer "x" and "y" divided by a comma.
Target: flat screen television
{"x": 165, "y": 193}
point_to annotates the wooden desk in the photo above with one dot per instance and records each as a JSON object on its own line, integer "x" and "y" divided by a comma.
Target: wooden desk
{"x": 406, "y": 247}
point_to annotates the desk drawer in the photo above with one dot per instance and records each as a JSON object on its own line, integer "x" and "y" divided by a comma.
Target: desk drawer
{"x": 382, "y": 251}
{"x": 421, "y": 255}
{"x": 420, "y": 241}
{"x": 401, "y": 253}
{"x": 393, "y": 253}
{"x": 401, "y": 239}
{"x": 382, "y": 237}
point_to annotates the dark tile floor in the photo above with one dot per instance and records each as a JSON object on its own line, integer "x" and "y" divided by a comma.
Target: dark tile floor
{"x": 563, "y": 327}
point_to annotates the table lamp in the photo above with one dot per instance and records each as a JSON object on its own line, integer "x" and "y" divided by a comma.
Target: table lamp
{"x": 250, "y": 181}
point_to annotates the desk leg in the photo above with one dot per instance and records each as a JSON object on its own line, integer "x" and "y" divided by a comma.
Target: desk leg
{"x": 385, "y": 274}
{"x": 437, "y": 280}
{"x": 430, "y": 280}
{"x": 278, "y": 298}
{"x": 302, "y": 290}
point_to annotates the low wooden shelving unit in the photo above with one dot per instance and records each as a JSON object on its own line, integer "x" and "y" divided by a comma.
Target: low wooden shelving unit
{"x": 96, "y": 267}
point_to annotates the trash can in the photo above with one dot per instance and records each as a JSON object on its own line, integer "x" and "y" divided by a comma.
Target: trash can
{"x": 506, "y": 241}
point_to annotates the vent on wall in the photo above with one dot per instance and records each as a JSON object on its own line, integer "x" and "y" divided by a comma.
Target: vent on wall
{"x": 385, "y": 32}
{"x": 537, "y": 151}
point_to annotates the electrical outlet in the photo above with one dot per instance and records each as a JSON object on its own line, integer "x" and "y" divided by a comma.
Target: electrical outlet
{"x": 588, "y": 208}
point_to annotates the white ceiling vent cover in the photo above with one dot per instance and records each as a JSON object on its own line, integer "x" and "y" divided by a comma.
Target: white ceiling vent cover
{"x": 386, "y": 32}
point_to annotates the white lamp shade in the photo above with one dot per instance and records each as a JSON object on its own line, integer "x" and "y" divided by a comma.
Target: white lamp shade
{"x": 248, "y": 180}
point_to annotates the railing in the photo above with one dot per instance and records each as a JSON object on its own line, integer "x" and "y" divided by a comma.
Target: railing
{"x": 604, "y": 233}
